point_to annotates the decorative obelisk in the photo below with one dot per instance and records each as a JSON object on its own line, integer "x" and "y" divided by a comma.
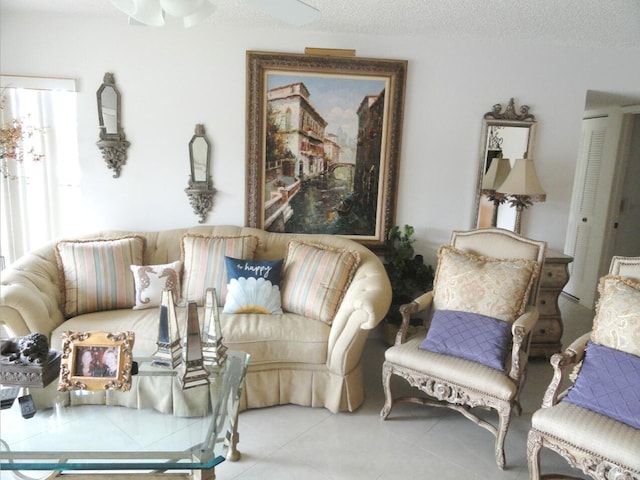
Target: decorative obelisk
{"x": 213, "y": 351}
{"x": 169, "y": 352}
{"x": 191, "y": 372}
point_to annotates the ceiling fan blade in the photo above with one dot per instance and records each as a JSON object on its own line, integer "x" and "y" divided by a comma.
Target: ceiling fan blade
{"x": 293, "y": 12}
{"x": 146, "y": 12}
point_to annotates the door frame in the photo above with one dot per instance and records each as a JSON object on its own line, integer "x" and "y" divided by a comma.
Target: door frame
{"x": 620, "y": 169}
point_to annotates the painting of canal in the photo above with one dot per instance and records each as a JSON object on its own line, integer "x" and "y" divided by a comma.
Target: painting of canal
{"x": 324, "y": 142}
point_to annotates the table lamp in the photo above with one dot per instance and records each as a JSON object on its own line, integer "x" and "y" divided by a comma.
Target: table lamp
{"x": 522, "y": 187}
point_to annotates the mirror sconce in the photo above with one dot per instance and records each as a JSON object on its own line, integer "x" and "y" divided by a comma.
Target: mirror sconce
{"x": 113, "y": 143}
{"x": 200, "y": 190}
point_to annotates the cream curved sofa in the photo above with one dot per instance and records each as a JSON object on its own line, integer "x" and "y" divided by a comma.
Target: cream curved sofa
{"x": 293, "y": 359}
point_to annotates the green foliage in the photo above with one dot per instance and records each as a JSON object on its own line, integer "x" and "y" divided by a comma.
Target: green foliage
{"x": 407, "y": 272}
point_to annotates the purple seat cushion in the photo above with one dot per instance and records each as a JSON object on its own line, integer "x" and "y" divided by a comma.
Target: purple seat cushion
{"x": 470, "y": 336}
{"x": 608, "y": 384}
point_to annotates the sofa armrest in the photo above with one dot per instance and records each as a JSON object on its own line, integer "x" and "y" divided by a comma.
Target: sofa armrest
{"x": 364, "y": 305}
{"x": 30, "y": 294}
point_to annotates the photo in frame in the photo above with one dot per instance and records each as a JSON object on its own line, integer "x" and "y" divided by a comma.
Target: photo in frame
{"x": 96, "y": 361}
{"x": 323, "y": 144}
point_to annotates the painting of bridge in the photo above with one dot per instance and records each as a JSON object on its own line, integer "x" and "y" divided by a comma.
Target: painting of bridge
{"x": 323, "y": 154}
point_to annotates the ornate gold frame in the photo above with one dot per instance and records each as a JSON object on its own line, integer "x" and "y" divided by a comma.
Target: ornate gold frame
{"x": 260, "y": 64}
{"x": 75, "y": 342}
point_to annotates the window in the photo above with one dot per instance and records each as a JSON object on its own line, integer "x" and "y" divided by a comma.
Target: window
{"x": 39, "y": 198}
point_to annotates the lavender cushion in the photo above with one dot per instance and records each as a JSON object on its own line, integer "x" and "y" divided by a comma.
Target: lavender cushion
{"x": 471, "y": 336}
{"x": 609, "y": 384}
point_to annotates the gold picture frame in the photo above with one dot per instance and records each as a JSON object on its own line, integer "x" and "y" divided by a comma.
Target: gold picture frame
{"x": 328, "y": 127}
{"x": 96, "y": 361}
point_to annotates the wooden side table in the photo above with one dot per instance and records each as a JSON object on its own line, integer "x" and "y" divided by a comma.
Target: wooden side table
{"x": 548, "y": 330}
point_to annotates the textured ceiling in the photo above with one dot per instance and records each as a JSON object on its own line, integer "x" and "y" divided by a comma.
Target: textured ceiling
{"x": 611, "y": 23}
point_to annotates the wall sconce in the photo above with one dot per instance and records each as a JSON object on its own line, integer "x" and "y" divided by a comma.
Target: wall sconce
{"x": 113, "y": 143}
{"x": 522, "y": 187}
{"x": 495, "y": 176}
{"x": 200, "y": 190}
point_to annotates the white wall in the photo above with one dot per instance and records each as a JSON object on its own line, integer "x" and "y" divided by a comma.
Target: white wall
{"x": 171, "y": 78}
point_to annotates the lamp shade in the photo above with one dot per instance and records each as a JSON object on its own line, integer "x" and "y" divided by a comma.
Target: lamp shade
{"x": 523, "y": 181}
{"x": 497, "y": 173}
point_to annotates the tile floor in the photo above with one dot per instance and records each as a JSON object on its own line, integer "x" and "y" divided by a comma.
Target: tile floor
{"x": 292, "y": 443}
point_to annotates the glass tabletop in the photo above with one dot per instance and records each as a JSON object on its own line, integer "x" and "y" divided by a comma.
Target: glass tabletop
{"x": 77, "y": 433}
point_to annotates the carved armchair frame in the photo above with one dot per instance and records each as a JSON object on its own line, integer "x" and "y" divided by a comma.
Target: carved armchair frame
{"x": 590, "y": 463}
{"x": 443, "y": 393}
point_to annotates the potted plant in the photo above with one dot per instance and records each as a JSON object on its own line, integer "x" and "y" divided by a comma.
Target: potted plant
{"x": 408, "y": 274}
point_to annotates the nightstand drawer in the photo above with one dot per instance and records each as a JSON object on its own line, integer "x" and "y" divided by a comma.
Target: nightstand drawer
{"x": 548, "y": 303}
{"x": 547, "y": 330}
{"x": 554, "y": 275}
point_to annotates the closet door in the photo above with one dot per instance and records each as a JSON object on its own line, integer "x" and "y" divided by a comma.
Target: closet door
{"x": 589, "y": 206}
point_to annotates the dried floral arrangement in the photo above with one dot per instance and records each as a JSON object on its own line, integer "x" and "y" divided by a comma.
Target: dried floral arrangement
{"x": 13, "y": 141}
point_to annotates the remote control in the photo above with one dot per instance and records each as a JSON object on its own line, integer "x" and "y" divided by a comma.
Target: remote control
{"x": 27, "y": 407}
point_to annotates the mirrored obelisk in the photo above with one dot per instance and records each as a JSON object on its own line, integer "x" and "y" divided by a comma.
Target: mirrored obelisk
{"x": 213, "y": 351}
{"x": 168, "y": 354}
{"x": 191, "y": 372}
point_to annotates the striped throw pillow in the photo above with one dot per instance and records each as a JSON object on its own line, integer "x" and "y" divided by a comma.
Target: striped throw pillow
{"x": 204, "y": 265}
{"x": 97, "y": 273}
{"x": 315, "y": 278}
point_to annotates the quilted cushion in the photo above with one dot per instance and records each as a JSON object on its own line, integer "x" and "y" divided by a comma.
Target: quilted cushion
{"x": 314, "y": 279}
{"x": 470, "y": 336}
{"x": 608, "y": 384}
{"x": 253, "y": 286}
{"x": 96, "y": 273}
{"x": 151, "y": 280}
{"x": 204, "y": 265}
{"x": 496, "y": 288}
{"x": 617, "y": 320}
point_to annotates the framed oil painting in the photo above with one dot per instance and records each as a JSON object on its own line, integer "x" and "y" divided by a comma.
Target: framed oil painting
{"x": 323, "y": 144}
{"x": 96, "y": 361}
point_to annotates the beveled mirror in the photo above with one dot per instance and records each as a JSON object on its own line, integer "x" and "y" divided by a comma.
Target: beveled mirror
{"x": 506, "y": 136}
{"x": 200, "y": 190}
{"x": 113, "y": 143}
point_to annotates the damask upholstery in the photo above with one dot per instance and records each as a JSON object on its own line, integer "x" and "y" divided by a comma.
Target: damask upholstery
{"x": 490, "y": 272}
{"x": 595, "y": 436}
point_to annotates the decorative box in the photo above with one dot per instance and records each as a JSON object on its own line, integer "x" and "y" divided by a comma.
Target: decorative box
{"x": 30, "y": 375}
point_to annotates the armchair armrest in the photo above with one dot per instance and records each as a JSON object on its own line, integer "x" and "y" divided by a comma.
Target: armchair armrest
{"x": 578, "y": 346}
{"x": 417, "y": 305}
{"x": 560, "y": 362}
{"x": 520, "y": 329}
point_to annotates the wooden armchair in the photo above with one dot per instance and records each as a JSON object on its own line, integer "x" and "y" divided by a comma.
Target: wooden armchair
{"x": 595, "y": 424}
{"x": 486, "y": 286}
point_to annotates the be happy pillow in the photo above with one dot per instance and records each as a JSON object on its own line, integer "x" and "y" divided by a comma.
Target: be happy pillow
{"x": 253, "y": 286}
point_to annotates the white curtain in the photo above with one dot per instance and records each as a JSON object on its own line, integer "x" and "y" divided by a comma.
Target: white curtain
{"x": 39, "y": 199}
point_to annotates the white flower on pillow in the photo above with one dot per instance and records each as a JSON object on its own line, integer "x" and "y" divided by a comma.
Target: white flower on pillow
{"x": 252, "y": 295}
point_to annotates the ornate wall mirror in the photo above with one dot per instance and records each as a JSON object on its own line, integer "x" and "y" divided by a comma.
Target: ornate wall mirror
{"x": 506, "y": 136}
{"x": 113, "y": 143}
{"x": 200, "y": 190}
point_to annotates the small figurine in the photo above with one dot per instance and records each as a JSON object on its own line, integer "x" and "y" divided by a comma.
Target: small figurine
{"x": 32, "y": 349}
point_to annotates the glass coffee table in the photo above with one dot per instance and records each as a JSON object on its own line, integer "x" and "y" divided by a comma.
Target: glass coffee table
{"x": 78, "y": 435}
